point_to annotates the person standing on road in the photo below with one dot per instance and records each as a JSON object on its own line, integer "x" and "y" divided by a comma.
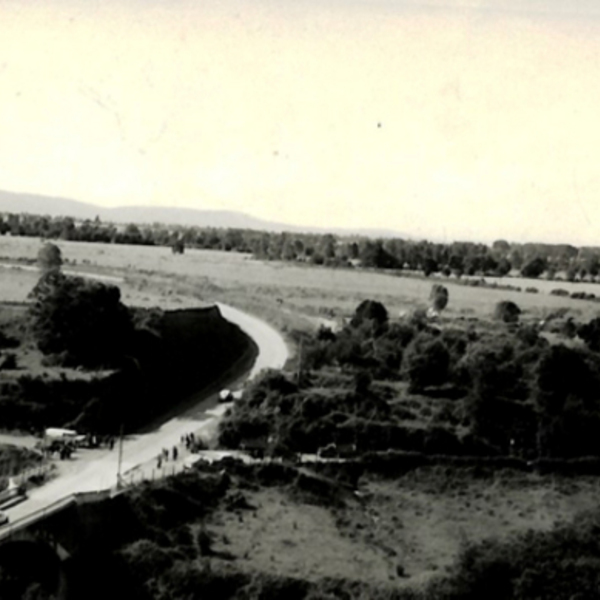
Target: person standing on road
{"x": 159, "y": 461}
{"x": 175, "y": 452}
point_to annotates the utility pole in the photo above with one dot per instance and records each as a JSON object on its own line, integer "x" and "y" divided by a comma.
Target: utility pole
{"x": 119, "y": 483}
{"x": 299, "y": 374}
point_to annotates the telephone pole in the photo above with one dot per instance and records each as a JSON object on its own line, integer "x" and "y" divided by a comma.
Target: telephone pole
{"x": 299, "y": 374}
{"x": 120, "y": 460}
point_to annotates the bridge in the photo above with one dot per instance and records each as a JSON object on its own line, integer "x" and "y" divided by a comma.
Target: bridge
{"x": 54, "y": 524}
{"x": 39, "y": 543}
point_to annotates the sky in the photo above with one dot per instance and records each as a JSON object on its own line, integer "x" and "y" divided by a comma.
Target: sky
{"x": 446, "y": 119}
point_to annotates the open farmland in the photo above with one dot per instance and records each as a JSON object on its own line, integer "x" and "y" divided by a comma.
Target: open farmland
{"x": 277, "y": 291}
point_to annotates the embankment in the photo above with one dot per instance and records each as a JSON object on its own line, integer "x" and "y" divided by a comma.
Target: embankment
{"x": 192, "y": 351}
{"x": 181, "y": 356}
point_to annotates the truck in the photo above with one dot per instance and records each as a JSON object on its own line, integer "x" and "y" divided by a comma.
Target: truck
{"x": 63, "y": 435}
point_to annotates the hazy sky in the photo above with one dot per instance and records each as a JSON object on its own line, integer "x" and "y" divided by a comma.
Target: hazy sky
{"x": 445, "y": 118}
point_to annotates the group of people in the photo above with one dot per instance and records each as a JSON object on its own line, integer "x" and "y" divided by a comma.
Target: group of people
{"x": 95, "y": 441}
{"x": 64, "y": 450}
{"x": 189, "y": 439}
{"x": 164, "y": 456}
{"x": 191, "y": 445}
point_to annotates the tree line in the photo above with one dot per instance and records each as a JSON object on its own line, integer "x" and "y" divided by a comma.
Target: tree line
{"x": 531, "y": 260}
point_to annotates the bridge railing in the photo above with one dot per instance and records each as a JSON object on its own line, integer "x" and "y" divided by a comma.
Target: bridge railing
{"x": 133, "y": 478}
{"x": 14, "y": 526}
{"x": 137, "y": 476}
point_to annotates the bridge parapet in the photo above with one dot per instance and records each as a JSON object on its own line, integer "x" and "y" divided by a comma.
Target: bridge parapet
{"x": 9, "y": 530}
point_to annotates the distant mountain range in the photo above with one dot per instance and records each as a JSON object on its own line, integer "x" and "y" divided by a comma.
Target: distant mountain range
{"x": 48, "y": 205}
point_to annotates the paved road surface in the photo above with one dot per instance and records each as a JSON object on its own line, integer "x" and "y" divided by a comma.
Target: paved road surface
{"x": 93, "y": 470}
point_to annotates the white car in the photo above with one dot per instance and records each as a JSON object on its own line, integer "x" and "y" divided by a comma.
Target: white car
{"x": 225, "y": 396}
{"x": 230, "y": 396}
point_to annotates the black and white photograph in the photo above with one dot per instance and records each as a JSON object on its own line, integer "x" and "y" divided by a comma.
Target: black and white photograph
{"x": 299, "y": 300}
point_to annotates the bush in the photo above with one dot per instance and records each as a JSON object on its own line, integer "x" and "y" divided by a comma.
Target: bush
{"x": 146, "y": 559}
{"x": 567, "y": 402}
{"x": 49, "y": 258}
{"x": 426, "y": 362}
{"x": 438, "y": 297}
{"x": 85, "y": 319}
{"x": 590, "y": 334}
{"x": 370, "y": 310}
{"x": 562, "y": 564}
{"x": 534, "y": 268}
{"x": 507, "y": 311}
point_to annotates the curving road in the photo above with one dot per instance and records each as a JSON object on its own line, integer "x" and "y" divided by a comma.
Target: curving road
{"x": 95, "y": 470}
{"x": 272, "y": 349}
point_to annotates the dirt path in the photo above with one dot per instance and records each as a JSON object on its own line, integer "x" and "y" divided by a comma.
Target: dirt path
{"x": 97, "y": 469}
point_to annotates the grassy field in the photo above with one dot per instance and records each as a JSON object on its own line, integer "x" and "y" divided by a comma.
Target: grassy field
{"x": 402, "y": 532}
{"x": 287, "y": 294}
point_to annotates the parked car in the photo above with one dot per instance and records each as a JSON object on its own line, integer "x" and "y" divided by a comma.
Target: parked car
{"x": 225, "y": 396}
{"x": 229, "y": 396}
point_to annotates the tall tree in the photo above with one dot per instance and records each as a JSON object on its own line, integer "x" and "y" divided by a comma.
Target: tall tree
{"x": 83, "y": 321}
{"x": 438, "y": 297}
{"x": 49, "y": 258}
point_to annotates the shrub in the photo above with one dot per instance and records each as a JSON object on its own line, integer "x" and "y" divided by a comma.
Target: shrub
{"x": 370, "y": 310}
{"x": 567, "y": 403}
{"x": 426, "y": 362}
{"x": 146, "y": 559}
{"x": 49, "y": 258}
{"x": 561, "y": 564}
{"x": 83, "y": 318}
{"x": 417, "y": 319}
{"x": 534, "y": 268}
{"x": 507, "y": 311}
{"x": 438, "y": 297}
{"x": 590, "y": 334}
